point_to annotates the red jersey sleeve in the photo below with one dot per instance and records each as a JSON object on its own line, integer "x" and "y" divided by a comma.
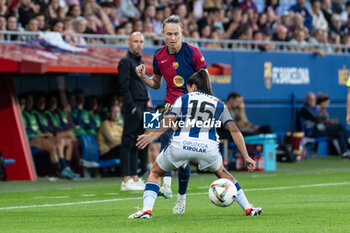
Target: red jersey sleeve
{"x": 198, "y": 59}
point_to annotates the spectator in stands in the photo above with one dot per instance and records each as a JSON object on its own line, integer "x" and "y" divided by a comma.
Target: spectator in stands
{"x": 262, "y": 21}
{"x": 318, "y": 19}
{"x": 137, "y": 25}
{"x": 57, "y": 25}
{"x": 182, "y": 11}
{"x": 135, "y": 98}
{"x": 286, "y": 20}
{"x": 298, "y": 40}
{"x": 246, "y": 33}
{"x": 74, "y": 11}
{"x": 79, "y": 27}
{"x": 300, "y": 7}
{"x": 272, "y": 20}
{"x": 346, "y": 41}
{"x": 3, "y": 26}
{"x": 109, "y": 136}
{"x": 281, "y": 34}
{"x": 345, "y": 29}
{"x": 127, "y": 26}
{"x": 205, "y": 32}
{"x": 128, "y": 9}
{"x": 68, "y": 28}
{"x": 210, "y": 20}
{"x": 236, "y": 107}
{"x": 335, "y": 26}
{"x": 271, "y": 6}
{"x": 234, "y": 26}
{"x": 41, "y": 20}
{"x": 3, "y": 7}
{"x": 45, "y": 141}
{"x": 252, "y": 19}
{"x": 258, "y": 37}
{"x": 345, "y": 14}
{"x": 327, "y": 10}
{"x": 298, "y": 24}
{"x": 148, "y": 31}
{"x": 12, "y": 26}
{"x": 318, "y": 39}
{"x": 314, "y": 125}
{"x": 140, "y": 4}
{"x": 246, "y": 4}
{"x": 12, "y": 23}
{"x": 33, "y": 25}
{"x": 149, "y": 13}
{"x": 26, "y": 10}
{"x": 158, "y": 19}
{"x": 166, "y": 11}
{"x": 53, "y": 10}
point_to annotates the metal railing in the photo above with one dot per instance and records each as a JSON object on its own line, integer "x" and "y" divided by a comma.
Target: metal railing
{"x": 236, "y": 45}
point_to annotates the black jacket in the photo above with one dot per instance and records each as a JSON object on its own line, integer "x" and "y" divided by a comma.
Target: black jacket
{"x": 131, "y": 86}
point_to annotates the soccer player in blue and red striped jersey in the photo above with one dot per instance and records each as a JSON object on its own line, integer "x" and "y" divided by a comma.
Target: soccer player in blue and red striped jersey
{"x": 176, "y": 62}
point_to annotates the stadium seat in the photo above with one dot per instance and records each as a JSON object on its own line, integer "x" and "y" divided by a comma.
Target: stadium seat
{"x": 90, "y": 152}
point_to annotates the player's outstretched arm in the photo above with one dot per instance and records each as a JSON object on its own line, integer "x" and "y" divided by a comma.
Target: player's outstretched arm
{"x": 143, "y": 140}
{"x": 155, "y": 82}
{"x": 239, "y": 140}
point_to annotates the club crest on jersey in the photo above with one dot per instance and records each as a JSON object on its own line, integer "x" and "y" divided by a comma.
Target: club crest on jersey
{"x": 175, "y": 65}
{"x": 179, "y": 81}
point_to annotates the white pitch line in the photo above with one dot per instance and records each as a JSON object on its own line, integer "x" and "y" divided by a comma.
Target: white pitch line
{"x": 88, "y": 195}
{"x": 69, "y": 203}
{"x": 191, "y": 194}
{"x": 57, "y": 197}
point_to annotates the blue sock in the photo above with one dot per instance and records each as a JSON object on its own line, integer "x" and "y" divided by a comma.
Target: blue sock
{"x": 184, "y": 177}
{"x": 63, "y": 162}
{"x": 57, "y": 166}
{"x": 150, "y": 195}
{"x": 168, "y": 173}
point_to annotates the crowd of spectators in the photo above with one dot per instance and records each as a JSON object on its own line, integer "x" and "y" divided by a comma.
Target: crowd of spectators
{"x": 317, "y": 21}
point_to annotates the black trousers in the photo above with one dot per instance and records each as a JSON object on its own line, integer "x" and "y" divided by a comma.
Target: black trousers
{"x": 338, "y": 132}
{"x": 133, "y": 126}
{"x": 114, "y": 153}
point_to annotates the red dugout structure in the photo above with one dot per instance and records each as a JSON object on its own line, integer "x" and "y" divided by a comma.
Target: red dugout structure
{"x": 17, "y": 59}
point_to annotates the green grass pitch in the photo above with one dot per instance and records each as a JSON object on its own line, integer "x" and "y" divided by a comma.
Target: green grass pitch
{"x": 307, "y": 196}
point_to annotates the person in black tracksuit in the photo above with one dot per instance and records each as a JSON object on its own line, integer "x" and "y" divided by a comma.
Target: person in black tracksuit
{"x": 135, "y": 97}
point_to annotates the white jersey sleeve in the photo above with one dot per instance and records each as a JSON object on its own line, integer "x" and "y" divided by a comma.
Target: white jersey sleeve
{"x": 176, "y": 109}
{"x": 225, "y": 116}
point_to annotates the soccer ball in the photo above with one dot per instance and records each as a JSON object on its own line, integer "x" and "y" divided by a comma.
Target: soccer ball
{"x": 222, "y": 192}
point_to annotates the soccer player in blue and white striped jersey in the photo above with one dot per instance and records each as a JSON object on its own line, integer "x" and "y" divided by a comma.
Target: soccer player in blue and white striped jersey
{"x": 195, "y": 117}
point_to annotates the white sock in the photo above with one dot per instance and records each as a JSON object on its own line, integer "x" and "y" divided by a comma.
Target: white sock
{"x": 149, "y": 166}
{"x": 150, "y": 195}
{"x": 242, "y": 200}
{"x": 167, "y": 180}
{"x": 179, "y": 196}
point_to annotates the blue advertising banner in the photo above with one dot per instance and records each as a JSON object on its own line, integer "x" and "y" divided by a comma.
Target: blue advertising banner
{"x": 267, "y": 81}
